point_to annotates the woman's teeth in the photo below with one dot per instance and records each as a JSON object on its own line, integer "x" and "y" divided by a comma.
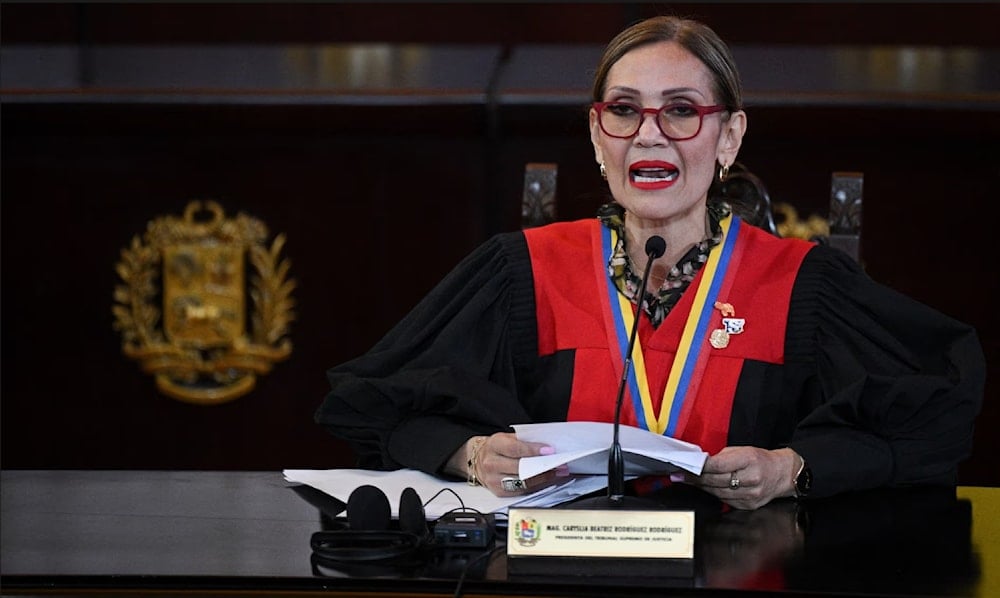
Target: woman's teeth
{"x": 653, "y": 175}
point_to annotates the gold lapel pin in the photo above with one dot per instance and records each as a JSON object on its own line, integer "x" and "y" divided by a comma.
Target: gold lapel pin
{"x": 731, "y": 325}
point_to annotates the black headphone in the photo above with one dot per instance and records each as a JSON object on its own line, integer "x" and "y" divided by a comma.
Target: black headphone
{"x": 367, "y": 536}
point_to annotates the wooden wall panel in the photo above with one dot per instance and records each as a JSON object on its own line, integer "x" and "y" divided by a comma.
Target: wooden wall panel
{"x": 80, "y": 181}
{"x": 913, "y": 23}
{"x": 379, "y": 201}
{"x": 375, "y": 215}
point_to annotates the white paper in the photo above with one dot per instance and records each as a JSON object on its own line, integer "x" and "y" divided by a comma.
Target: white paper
{"x": 581, "y": 445}
{"x": 339, "y": 483}
{"x": 584, "y": 447}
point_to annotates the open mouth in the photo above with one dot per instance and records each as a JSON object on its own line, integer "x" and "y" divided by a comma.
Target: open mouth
{"x": 653, "y": 175}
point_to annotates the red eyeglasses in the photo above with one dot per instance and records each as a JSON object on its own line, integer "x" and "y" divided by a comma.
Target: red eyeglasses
{"x": 676, "y": 121}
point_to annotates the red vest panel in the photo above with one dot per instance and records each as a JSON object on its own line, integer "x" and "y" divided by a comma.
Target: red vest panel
{"x": 567, "y": 265}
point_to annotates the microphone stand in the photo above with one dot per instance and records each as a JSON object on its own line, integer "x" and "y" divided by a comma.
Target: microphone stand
{"x": 616, "y": 499}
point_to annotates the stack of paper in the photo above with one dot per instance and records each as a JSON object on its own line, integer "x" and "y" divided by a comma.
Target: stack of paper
{"x": 581, "y": 445}
{"x": 584, "y": 447}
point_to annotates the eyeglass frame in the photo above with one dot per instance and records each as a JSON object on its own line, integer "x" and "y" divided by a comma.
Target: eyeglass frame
{"x": 701, "y": 110}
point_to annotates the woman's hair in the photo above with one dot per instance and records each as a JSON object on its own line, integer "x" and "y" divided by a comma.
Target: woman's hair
{"x": 693, "y": 36}
{"x": 698, "y": 39}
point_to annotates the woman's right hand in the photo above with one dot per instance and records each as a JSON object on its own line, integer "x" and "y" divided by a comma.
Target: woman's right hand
{"x": 491, "y": 459}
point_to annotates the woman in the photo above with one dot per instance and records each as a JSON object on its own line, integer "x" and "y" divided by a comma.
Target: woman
{"x": 792, "y": 369}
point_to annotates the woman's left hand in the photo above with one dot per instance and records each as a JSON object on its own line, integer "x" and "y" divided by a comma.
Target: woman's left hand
{"x": 747, "y": 477}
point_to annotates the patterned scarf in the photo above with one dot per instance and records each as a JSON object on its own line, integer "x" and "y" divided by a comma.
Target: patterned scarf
{"x": 628, "y": 278}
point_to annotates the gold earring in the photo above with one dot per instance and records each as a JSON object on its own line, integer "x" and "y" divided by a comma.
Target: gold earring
{"x": 723, "y": 173}
{"x": 604, "y": 172}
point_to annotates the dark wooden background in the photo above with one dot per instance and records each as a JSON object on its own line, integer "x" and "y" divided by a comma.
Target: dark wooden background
{"x": 379, "y": 201}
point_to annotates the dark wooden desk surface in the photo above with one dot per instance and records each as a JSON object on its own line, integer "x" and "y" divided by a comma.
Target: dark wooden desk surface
{"x": 208, "y": 533}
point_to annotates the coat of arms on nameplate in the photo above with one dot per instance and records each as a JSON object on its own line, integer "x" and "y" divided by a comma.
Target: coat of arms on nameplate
{"x": 214, "y": 342}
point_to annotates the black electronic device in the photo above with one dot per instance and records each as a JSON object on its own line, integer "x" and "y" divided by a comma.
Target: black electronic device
{"x": 463, "y": 529}
{"x": 367, "y": 537}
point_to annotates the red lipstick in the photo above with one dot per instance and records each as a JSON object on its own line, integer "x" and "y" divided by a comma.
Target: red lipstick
{"x": 650, "y": 175}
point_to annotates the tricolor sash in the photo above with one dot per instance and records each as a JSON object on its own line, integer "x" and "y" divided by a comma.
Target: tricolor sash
{"x": 688, "y": 366}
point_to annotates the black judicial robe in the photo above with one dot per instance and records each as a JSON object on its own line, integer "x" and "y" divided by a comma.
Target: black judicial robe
{"x": 872, "y": 388}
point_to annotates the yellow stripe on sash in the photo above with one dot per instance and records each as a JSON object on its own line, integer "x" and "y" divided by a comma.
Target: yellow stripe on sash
{"x": 684, "y": 350}
{"x": 711, "y": 275}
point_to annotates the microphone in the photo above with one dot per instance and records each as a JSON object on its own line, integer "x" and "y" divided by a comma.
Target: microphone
{"x": 655, "y": 248}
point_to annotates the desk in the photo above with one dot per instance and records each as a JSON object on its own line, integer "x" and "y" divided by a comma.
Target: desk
{"x": 214, "y": 533}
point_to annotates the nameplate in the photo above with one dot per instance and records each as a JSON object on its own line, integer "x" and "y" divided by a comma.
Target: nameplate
{"x": 606, "y": 533}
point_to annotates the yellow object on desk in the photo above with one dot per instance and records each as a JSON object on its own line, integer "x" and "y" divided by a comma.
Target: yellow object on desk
{"x": 985, "y": 534}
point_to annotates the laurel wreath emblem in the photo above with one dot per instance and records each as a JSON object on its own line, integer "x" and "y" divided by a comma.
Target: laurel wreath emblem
{"x": 204, "y": 374}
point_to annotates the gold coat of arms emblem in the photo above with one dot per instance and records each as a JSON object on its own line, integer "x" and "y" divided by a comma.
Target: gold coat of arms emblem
{"x": 205, "y": 352}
